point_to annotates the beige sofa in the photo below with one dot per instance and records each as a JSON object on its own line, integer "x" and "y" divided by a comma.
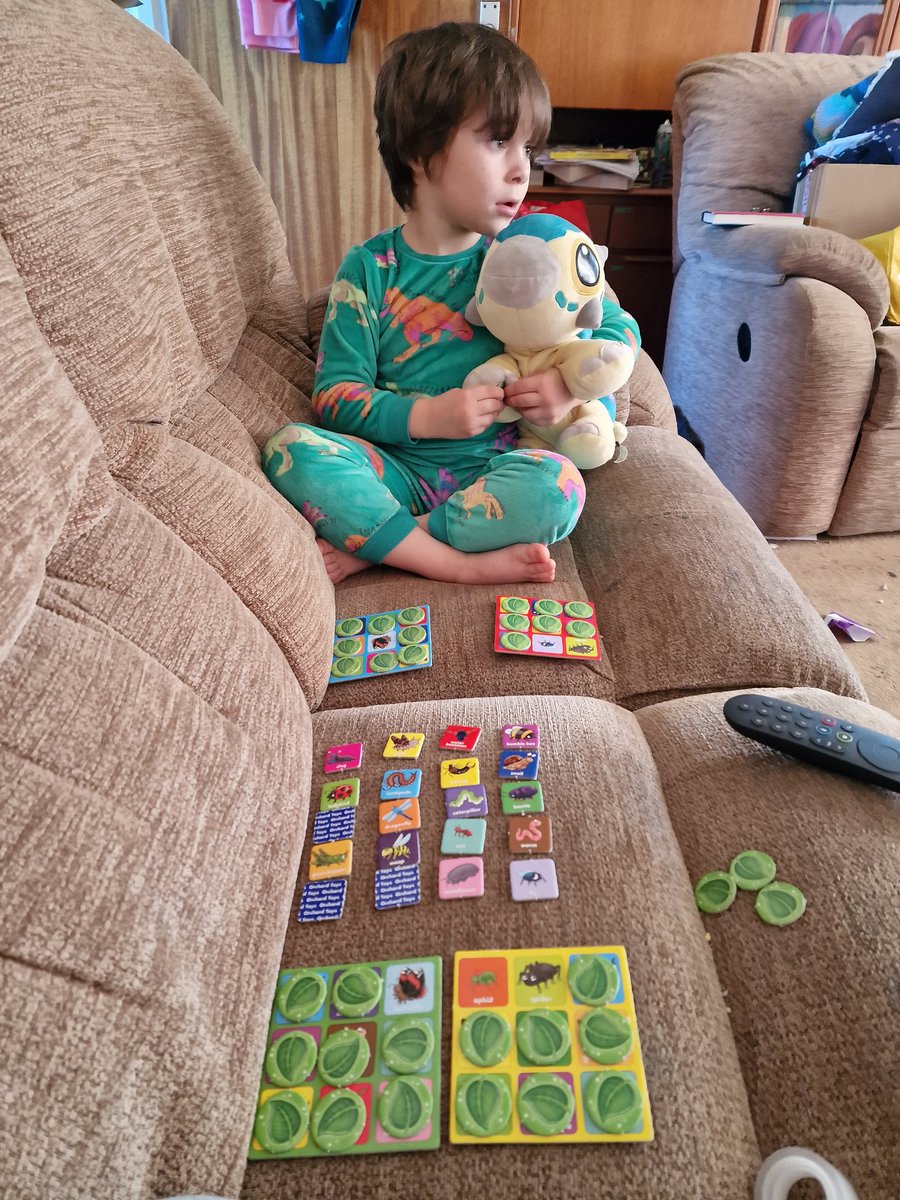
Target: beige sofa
{"x": 165, "y": 638}
{"x": 777, "y": 353}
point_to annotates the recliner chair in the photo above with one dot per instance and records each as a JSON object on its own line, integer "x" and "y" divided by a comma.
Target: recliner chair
{"x": 776, "y": 351}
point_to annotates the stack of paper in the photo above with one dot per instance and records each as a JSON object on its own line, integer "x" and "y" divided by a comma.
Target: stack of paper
{"x": 590, "y": 166}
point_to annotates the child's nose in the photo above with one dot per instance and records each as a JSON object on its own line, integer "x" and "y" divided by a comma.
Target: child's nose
{"x": 518, "y": 168}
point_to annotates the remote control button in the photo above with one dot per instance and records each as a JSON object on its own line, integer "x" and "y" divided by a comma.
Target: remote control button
{"x": 744, "y": 707}
{"x": 798, "y": 733}
{"x": 844, "y": 737}
{"x": 778, "y": 727}
{"x": 758, "y": 721}
{"x": 839, "y": 749}
{"x": 787, "y": 708}
{"x": 880, "y": 754}
{"x": 808, "y": 715}
{"x": 829, "y": 721}
{"x": 802, "y": 724}
{"x": 824, "y": 742}
{"x": 824, "y": 730}
{"x": 847, "y": 727}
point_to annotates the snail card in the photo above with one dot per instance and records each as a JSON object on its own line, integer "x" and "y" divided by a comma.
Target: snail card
{"x": 384, "y": 643}
{"x": 353, "y": 1061}
{"x": 546, "y": 1048}
{"x": 546, "y": 628}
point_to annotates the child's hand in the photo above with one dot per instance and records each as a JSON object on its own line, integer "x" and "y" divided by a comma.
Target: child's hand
{"x": 542, "y": 399}
{"x": 460, "y": 413}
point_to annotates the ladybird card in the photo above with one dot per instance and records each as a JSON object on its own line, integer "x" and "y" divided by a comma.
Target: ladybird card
{"x": 384, "y": 643}
{"x": 545, "y": 629}
{"x": 352, "y": 1062}
{"x": 546, "y": 1048}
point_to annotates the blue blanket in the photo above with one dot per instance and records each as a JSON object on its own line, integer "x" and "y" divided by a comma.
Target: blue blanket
{"x": 860, "y": 124}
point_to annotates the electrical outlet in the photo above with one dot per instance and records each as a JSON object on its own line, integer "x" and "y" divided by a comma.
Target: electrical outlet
{"x": 489, "y": 14}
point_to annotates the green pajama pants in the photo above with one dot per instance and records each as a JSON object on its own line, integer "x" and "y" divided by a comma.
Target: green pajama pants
{"x": 363, "y": 500}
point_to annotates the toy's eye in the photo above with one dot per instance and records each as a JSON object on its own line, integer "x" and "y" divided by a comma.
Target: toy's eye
{"x": 587, "y": 267}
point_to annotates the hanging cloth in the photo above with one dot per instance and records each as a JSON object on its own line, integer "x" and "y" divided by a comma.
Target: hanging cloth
{"x": 324, "y": 28}
{"x": 278, "y": 17}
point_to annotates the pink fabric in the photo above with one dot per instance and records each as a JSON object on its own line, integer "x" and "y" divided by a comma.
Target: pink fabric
{"x": 274, "y": 18}
{"x": 252, "y": 40}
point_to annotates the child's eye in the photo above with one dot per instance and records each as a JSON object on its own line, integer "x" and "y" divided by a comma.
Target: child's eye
{"x": 499, "y": 143}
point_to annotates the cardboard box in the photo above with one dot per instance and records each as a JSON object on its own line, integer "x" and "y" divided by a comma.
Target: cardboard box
{"x": 856, "y": 199}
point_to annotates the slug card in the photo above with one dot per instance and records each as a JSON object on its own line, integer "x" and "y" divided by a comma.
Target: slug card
{"x": 546, "y": 1048}
{"x": 546, "y": 628}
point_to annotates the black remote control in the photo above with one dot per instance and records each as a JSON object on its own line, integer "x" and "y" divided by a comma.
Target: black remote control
{"x": 817, "y": 737}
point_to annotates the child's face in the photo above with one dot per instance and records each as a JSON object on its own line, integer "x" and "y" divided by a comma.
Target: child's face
{"x": 477, "y": 182}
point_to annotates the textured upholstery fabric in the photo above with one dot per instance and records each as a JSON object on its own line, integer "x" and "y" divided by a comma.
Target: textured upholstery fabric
{"x": 672, "y": 565}
{"x": 756, "y": 402}
{"x": 814, "y": 1007}
{"x": 621, "y": 880}
{"x": 870, "y": 498}
{"x": 770, "y": 352}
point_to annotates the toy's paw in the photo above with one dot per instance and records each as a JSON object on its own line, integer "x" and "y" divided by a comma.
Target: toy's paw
{"x": 589, "y": 443}
{"x": 488, "y": 375}
{"x": 609, "y": 368}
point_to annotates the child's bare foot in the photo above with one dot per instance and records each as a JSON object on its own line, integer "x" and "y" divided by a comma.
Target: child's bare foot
{"x": 522, "y": 563}
{"x": 338, "y": 563}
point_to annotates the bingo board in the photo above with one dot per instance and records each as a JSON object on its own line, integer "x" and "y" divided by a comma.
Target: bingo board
{"x": 545, "y": 1047}
{"x": 546, "y": 628}
{"x": 353, "y": 1061}
{"x": 382, "y": 643}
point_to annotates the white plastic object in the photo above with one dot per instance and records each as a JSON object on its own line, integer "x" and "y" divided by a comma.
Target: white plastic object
{"x": 489, "y": 14}
{"x": 784, "y": 1168}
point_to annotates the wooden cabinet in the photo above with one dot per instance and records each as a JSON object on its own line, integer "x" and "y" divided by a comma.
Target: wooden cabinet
{"x": 610, "y": 54}
{"x": 636, "y": 226}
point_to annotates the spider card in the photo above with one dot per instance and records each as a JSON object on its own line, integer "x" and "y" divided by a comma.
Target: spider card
{"x": 353, "y": 1061}
{"x": 545, "y": 1048}
{"x": 384, "y": 643}
{"x": 546, "y": 628}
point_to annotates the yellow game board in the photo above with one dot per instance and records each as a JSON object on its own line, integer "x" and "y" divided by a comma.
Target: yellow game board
{"x": 522, "y": 1022}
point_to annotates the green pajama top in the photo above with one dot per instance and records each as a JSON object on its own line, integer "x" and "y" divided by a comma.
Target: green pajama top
{"x": 395, "y": 329}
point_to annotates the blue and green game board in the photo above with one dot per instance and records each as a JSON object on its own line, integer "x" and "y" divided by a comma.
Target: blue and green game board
{"x": 384, "y": 643}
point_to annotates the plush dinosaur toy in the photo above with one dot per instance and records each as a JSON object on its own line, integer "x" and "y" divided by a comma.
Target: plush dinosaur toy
{"x": 541, "y": 284}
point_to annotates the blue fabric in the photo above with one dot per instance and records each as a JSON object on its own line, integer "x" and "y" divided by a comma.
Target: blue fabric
{"x": 324, "y": 28}
{"x": 860, "y": 124}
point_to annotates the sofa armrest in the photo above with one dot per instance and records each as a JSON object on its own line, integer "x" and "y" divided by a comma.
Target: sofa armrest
{"x": 769, "y": 256}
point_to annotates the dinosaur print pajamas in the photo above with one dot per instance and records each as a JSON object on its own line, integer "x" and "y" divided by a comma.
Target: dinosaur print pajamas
{"x": 395, "y": 330}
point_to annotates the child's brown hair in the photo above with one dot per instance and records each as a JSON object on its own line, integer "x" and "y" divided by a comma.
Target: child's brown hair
{"x": 434, "y": 79}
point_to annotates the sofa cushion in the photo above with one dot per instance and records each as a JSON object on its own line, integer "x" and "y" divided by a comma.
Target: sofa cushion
{"x": 154, "y": 758}
{"x": 870, "y": 498}
{"x": 621, "y": 880}
{"x": 465, "y": 662}
{"x": 813, "y": 1006}
{"x": 690, "y": 596}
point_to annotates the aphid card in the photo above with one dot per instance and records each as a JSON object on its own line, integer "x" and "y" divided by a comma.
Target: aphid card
{"x": 382, "y": 643}
{"x": 353, "y": 1061}
{"x": 546, "y": 1048}
{"x": 546, "y": 628}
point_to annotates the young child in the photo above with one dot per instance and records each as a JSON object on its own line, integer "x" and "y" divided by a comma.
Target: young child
{"x": 408, "y": 468}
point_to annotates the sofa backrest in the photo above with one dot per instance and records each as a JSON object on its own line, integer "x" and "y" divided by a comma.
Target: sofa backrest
{"x": 155, "y": 273}
{"x": 738, "y": 135}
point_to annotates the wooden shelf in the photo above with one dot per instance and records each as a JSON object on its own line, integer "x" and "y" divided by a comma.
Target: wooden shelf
{"x": 572, "y": 189}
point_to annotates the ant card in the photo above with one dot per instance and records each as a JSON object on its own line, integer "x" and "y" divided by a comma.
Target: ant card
{"x": 353, "y": 1061}
{"x": 546, "y": 628}
{"x": 545, "y": 1048}
{"x": 384, "y": 643}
